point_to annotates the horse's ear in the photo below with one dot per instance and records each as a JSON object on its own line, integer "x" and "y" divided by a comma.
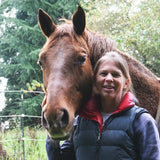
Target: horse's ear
{"x": 79, "y": 21}
{"x": 46, "y": 23}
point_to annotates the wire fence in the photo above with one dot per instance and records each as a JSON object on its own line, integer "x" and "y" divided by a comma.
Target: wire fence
{"x": 20, "y": 142}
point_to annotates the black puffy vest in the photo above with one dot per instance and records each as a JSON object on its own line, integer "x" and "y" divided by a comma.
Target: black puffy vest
{"x": 115, "y": 142}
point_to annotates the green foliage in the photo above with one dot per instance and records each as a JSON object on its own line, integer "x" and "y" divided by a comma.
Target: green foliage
{"x": 35, "y": 86}
{"x": 134, "y": 25}
{"x": 14, "y": 107}
{"x": 34, "y": 144}
{"x": 21, "y": 42}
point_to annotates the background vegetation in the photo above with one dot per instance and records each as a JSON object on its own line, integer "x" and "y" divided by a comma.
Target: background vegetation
{"x": 133, "y": 24}
{"x": 12, "y": 144}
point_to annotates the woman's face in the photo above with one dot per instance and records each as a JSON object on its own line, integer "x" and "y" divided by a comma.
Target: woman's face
{"x": 110, "y": 81}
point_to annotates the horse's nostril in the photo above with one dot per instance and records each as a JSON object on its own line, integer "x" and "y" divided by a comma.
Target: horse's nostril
{"x": 55, "y": 121}
{"x": 64, "y": 118}
{"x": 44, "y": 121}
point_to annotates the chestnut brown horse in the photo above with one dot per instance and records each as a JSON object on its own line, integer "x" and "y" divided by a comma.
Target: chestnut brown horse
{"x": 67, "y": 60}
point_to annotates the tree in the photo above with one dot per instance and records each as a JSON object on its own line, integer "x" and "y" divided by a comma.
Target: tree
{"x": 21, "y": 41}
{"x": 134, "y": 25}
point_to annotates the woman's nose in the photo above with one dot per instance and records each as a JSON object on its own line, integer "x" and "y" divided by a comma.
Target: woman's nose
{"x": 109, "y": 77}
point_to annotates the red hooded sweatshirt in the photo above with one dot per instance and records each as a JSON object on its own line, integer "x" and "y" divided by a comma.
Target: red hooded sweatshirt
{"x": 91, "y": 110}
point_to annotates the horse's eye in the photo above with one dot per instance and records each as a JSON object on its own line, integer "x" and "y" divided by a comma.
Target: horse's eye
{"x": 82, "y": 59}
{"x": 40, "y": 63}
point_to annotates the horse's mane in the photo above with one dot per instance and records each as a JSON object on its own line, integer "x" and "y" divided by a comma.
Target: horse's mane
{"x": 99, "y": 45}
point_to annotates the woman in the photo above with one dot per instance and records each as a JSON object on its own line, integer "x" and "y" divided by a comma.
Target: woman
{"x": 110, "y": 126}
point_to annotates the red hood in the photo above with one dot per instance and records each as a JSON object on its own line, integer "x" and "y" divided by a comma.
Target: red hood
{"x": 91, "y": 109}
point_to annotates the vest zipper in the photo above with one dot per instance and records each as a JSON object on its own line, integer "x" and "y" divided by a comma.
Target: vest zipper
{"x": 107, "y": 122}
{"x": 98, "y": 145}
{"x": 99, "y": 137}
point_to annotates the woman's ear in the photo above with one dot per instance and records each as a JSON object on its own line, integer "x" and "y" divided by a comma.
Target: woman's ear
{"x": 126, "y": 85}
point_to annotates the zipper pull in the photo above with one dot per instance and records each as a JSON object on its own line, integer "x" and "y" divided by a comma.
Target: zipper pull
{"x": 99, "y": 137}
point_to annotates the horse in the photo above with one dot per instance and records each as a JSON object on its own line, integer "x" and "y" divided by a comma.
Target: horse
{"x": 67, "y": 60}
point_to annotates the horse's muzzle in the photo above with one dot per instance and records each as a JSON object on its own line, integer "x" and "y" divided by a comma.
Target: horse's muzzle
{"x": 55, "y": 121}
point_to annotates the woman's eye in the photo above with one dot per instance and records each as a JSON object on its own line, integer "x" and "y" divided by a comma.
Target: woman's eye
{"x": 103, "y": 74}
{"x": 116, "y": 75}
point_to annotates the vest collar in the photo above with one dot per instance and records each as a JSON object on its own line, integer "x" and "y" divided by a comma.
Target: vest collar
{"x": 91, "y": 110}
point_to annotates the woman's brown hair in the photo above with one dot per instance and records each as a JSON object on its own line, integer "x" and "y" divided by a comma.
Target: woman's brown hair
{"x": 121, "y": 64}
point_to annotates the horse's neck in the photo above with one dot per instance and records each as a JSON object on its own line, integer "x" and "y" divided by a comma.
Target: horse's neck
{"x": 98, "y": 45}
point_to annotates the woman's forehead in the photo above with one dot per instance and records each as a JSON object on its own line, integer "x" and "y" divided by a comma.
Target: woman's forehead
{"x": 109, "y": 62}
{"x": 111, "y": 65}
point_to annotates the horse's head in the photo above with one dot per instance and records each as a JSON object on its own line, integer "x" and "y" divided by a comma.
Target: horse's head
{"x": 67, "y": 72}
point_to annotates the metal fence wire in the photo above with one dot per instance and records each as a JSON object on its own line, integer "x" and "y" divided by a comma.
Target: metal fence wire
{"x": 18, "y": 142}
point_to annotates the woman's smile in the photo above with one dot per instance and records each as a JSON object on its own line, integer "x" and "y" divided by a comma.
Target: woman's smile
{"x": 108, "y": 88}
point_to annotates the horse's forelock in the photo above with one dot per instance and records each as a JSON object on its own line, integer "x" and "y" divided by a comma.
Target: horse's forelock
{"x": 61, "y": 20}
{"x": 68, "y": 30}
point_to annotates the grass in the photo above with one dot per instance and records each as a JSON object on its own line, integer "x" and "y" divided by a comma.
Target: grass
{"x": 34, "y": 144}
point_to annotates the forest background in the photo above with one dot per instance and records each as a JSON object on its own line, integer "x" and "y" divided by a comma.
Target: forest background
{"x": 133, "y": 24}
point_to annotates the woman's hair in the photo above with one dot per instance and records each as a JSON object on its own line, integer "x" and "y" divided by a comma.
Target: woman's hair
{"x": 121, "y": 64}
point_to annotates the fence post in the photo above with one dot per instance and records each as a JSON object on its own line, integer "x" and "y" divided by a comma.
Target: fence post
{"x": 22, "y": 124}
